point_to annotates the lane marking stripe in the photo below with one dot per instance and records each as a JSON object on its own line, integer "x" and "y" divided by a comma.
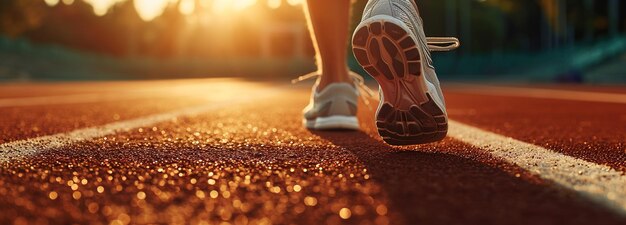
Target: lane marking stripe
{"x": 98, "y": 97}
{"x": 28, "y": 147}
{"x": 69, "y": 99}
{"x": 541, "y": 93}
{"x": 599, "y": 183}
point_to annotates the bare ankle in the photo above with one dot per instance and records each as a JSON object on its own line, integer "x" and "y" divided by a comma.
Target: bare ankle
{"x": 337, "y": 77}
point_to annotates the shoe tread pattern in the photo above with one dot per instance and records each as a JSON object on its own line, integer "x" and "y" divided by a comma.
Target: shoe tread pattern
{"x": 399, "y": 123}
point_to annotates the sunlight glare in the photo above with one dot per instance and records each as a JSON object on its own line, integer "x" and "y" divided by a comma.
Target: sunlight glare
{"x": 187, "y": 7}
{"x": 242, "y": 4}
{"x": 52, "y": 2}
{"x": 294, "y": 2}
{"x": 205, "y": 3}
{"x": 150, "y": 9}
{"x": 101, "y": 7}
{"x": 220, "y": 6}
{"x": 274, "y": 4}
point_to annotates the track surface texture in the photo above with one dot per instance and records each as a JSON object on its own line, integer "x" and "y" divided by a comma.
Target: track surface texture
{"x": 227, "y": 151}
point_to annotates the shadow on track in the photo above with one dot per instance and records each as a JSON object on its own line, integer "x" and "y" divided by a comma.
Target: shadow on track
{"x": 427, "y": 186}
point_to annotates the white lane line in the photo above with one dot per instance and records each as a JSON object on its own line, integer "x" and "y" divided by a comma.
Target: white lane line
{"x": 68, "y": 99}
{"x": 600, "y": 183}
{"x": 22, "y": 148}
{"x": 99, "y": 97}
{"x": 541, "y": 93}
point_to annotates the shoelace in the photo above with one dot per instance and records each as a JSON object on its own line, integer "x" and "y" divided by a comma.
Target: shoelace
{"x": 357, "y": 79}
{"x": 442, "y": 44}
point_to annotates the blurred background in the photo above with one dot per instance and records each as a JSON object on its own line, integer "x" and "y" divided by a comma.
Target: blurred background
{"x": 574, "y": 41}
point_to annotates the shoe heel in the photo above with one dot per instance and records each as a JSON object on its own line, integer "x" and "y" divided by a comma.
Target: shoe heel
{"x": 408, "y": 115}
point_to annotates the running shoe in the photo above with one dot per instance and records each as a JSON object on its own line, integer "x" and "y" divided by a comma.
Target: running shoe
{"x": 335, "y": 106}
{"x": 390, "y": 44}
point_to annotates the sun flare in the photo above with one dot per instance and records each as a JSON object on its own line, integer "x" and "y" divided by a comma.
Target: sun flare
{"x": 150, "y": 9}
{"x": 187, "y": 7}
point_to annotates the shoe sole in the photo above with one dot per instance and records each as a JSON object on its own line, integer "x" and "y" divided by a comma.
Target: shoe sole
{"x": 407, "y": 113}
{"x": 333, "y": 123}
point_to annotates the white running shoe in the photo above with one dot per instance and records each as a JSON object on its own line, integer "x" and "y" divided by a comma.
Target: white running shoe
{"x": 334, "y": 107}
{"x": 391, "y": 46}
